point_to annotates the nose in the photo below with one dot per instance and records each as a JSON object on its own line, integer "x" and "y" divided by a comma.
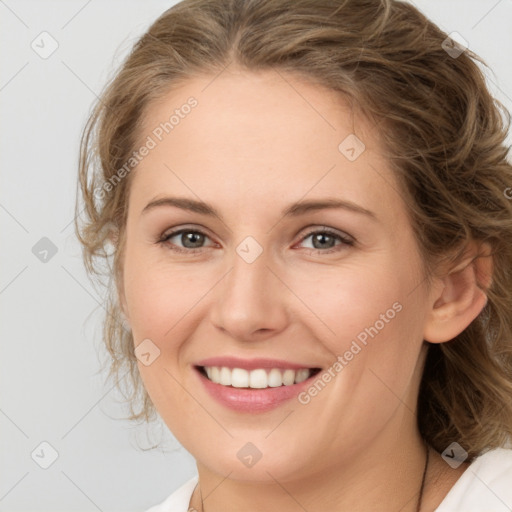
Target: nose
{"x": 250, "y": 303}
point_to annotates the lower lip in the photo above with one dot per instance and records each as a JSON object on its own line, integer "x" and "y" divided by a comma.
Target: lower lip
{"x": 252, "y": 400}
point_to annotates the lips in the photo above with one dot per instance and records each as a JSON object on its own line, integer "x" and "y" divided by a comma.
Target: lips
{"x": 253, "y": 385}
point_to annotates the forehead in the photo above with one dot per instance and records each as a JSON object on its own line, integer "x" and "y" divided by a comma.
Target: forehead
{"x": 268, "y": 107}
{"x": 261, "y": 133}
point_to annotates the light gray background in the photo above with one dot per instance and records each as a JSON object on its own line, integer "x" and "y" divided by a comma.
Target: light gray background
{"x": 50, "y": 338}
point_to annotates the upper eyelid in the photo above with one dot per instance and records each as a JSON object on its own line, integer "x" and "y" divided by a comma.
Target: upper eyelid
{"x": 166, "y": 235}
{"x": 177, "y": 231}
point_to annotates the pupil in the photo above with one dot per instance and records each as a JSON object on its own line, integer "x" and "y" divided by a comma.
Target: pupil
{"x": 321, "y": 237}
{"x": 194, "y": 238}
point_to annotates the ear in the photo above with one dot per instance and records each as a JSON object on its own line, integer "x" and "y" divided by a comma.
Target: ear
{"x": 458, "y": 297}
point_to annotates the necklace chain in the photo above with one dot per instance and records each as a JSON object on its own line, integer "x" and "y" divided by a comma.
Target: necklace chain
{"x": 420, "y": 496}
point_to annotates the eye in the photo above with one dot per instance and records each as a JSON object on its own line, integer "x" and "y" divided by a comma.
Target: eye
{"x": 324, "y": 240}
{"x": 191, "y": 239}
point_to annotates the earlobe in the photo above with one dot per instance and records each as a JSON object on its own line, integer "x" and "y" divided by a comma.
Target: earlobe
{"x": 461, "y": 299}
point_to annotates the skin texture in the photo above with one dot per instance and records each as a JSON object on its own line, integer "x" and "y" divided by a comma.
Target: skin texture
{"x": 254, "y": 144}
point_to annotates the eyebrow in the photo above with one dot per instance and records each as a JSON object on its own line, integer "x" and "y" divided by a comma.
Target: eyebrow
{"x": 293, "y": 210}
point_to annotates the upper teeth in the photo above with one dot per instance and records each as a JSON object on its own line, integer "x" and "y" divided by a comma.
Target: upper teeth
{"x": 260, "y": 378}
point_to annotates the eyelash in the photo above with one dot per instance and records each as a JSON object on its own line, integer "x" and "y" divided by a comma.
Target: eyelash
{"x": 164, "y": 240}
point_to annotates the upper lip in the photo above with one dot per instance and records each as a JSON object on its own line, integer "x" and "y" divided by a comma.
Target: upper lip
{"x": 251, "y": 364}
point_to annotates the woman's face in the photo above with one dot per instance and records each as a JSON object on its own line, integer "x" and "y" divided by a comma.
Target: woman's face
{"x": 260, "y": 285}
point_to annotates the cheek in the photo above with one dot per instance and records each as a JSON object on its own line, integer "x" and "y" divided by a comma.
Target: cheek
{"x": 158, "y": 295}
{"x": 352, "y": 300}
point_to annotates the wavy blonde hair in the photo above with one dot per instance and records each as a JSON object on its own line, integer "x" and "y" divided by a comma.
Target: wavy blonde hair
{"x": 443, "y": 131}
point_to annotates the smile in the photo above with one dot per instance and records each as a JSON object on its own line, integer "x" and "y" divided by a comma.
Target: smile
{"x": 253, "y": 385}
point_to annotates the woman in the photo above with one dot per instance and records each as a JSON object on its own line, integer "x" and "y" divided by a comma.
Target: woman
{"x": 309, "y": 208}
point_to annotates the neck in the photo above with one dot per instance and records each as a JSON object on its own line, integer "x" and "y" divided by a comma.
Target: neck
{"x": 386, "y": 476}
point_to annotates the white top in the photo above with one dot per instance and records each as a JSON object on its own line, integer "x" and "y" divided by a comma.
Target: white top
{"x": 486, "y": 485}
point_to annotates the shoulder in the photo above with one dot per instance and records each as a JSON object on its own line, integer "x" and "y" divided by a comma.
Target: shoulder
{"x": 179, "y": 500}
{"x": 486, "y": 484}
